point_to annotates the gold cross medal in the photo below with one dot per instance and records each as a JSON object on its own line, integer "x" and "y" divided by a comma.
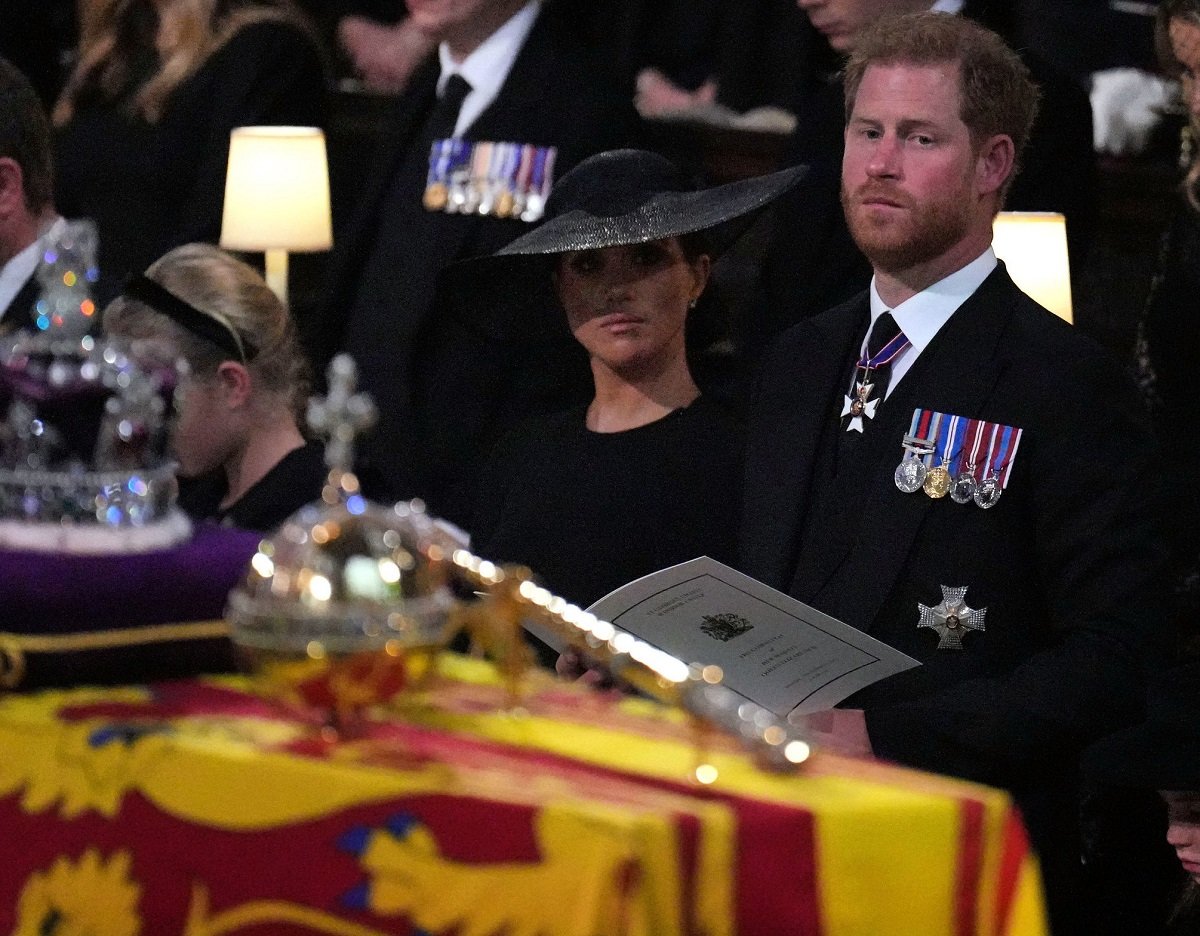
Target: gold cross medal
{"x": 859, "y": 405}
{"x": 951, "y": 618}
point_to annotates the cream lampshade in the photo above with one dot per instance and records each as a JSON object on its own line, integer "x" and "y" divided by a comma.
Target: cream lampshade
{"x": 277, "y": 196}
{"x": 1033, "y": 245}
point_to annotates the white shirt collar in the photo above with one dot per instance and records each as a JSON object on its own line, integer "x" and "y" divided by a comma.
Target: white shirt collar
{"x": 947, "y": 6}
{"x": 15, "y": 274}
{"x": 486, "y": 69}
{"x": 923, "y": 315}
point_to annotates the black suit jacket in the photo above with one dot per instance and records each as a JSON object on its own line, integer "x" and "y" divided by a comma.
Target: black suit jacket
{"x": 1066, "y": 563}
{"x": 19, "y": 313}
{"x": 467, "y": 374}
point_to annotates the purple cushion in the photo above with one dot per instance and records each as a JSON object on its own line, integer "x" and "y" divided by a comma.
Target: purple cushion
{"x": 51, "y": 594}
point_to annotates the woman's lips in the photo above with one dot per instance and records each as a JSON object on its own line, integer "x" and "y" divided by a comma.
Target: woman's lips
{"x": 618, "y": 321}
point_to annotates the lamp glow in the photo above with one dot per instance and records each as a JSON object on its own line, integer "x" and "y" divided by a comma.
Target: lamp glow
{"x": 1033, "y": 245}
{"x": 277, "y": 196}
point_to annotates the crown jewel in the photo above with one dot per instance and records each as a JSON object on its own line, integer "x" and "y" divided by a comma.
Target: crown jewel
{"x": 84, "y": 432}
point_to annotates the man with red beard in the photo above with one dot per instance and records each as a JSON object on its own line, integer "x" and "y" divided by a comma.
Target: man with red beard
{"x": 943, "y": 464}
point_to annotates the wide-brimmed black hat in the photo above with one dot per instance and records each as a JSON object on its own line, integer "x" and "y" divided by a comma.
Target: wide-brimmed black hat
{"x": 633, "y": 196}
{"x": 1162, "y": 753}
{"x": 614, "y": 198}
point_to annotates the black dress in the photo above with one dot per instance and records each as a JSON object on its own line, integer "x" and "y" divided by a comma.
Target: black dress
{"x": 589, "y": 511}
{"x": 151, "y": 187}
{"x": 295, "y": 480}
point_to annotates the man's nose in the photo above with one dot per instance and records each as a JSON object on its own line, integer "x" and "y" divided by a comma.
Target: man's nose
{"x": 884, "y": 161}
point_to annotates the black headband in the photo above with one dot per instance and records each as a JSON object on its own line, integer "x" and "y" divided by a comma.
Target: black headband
{"x": 201, "y": 324}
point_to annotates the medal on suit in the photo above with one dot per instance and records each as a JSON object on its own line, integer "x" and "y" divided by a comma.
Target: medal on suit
{"x": 969, "y": 460}
{"x": 539, "y": 183}
{"x": 437, "y": 190}
{"x": 1001, "y": 452}
{"x": 987, "y": 493}
{"x": 910, "y": 473}
{"x": 919, "y": 446}
{"x": 937, "y": 482}
{"x": 962, "y": 488}
{"x": 476, "y": 189}
{"x": 947, "y": 448}
{"x": 499, "y": 180}
{"x": 859, "y": 404}
{"x": 963, "y": 482}
{"x": 951, "y": 618}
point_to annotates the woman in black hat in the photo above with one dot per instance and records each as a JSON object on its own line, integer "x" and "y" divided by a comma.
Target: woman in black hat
{"x": 1163, "y": 754}
{"x": 648, "y": 474}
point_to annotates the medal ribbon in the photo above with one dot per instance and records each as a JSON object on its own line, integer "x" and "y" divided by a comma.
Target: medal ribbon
{"x": 535, "y": 197}
{"x": 946, "y": 450}
{"x": 525, "y": 169}
{"x": 1001, "y": 464}
{"x": 509, "y": 160}
{"x": 439, "y": 161}
{"x": 481, "y": 160}
{"x": 930, "y": 429}
{"x": 548, "y": 171}
{"x": 919, "y": 429}
{"x": 969, "y": 456}
{"x": 886, "y": 353}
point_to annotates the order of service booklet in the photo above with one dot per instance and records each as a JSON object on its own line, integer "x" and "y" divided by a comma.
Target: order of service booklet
{"x": 774, "y": 650}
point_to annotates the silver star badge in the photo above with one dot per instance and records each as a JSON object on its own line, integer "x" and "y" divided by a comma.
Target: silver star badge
{"x": 952, "y": 618}
{"x": 858, "y": 406}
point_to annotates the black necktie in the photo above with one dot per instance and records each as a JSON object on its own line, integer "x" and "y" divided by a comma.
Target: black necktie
{"x": 444, "y": 115}
{"x": 883, "y": 331}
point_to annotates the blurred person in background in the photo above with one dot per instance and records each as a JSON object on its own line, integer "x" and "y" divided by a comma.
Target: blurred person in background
{"x": 1169, "y": 333}
{"x": 513, "y": 92}
{"x": 27, "y": 215}
{"x": 142, "y": 126}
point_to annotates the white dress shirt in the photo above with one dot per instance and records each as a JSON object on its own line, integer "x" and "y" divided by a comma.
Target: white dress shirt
{"x": 486, "y": 69}
{"x": 923, "y": 315}
{"x": 15, "y": 274}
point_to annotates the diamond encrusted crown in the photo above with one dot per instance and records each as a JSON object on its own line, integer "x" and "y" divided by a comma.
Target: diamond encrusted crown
{"x": 83, "y": 464}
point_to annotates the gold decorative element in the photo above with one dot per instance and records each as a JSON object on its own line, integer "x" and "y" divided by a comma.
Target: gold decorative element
{"x": 92, "y": 896}
{"x": 937, "y": 482}
{"x": 12, "y": 662}
{"x": 109, "y": 639}
{"x": 14, "y": 647}
{"x": 261, "y": 912}
{"x": 409, "y": 876}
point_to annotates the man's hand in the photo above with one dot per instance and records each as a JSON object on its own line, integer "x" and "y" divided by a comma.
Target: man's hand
{"x": 840, "y": 731}
{"x": 384, "y": 56}
{"x": 657, "y": 94}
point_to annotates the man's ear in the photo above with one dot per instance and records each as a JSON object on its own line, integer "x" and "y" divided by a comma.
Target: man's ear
{"x": 997, "y": 158}
{"x": 235, "y": 382}
{"x": 12, "y": 187}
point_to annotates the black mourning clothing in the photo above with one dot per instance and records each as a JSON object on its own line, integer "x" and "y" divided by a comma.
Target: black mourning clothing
{"x": 590, "y": 511}
{"x": 296, "y": 480}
